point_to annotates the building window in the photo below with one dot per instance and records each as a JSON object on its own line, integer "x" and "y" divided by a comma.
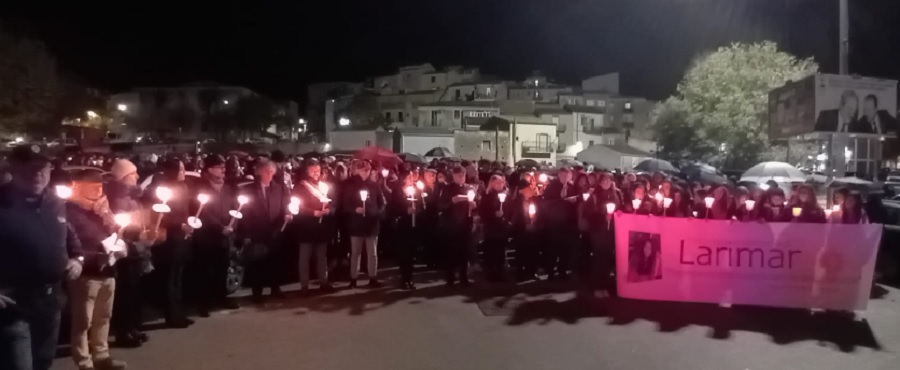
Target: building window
{"x": 433, "y": 79}
{"x": 457, "y": 93}
{"x": 387, "y": 116}
{"x": 555, "y": 120}
{"x": 456, "y": 114}
{"x": 478, "y": 114}
{"x": 400, "y": 116}
{"x": 628, "y": 106}
{"x": 601, "y": 103}
{"x": 590, "y": 143}
{"x": 590, "y": 103}
{"x": 368, "y": 143}
{"x": 487, "y": 91}
{"x": 611, "y": 141}
{"x": 537, "y": 94}
{"x": 628, "y": 118}
{"x": 486, "y": 145}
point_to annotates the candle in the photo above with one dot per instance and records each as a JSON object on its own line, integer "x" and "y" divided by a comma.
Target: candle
{"x": 236, "y": 214}
{"x": 709, "y": 201}
{"x": 410, "y": 193}
{"x": 659, "y": 197}
{"x": 695, "y": 214}
{"x": 532, "y": 210}
{"x": 502, "y": 198}
{"x": 293, "y": 208}
{"x": 836, "y": 208}
{"x": 543, "y": 177}
{"x": 323, "y": 188}
{"x": 636, "y": 204}
{"x": 796, "y": 211}
{"x": 164, "y": 194}
{"x": 471, "y": 196}
{"x": 749, "y": 204}
{"x": 123, "y": 220}
{"x": 194, "y": 221}
{"x": 667, "y": 202}
{"x": 610, "y": 208}
{"x": 363, "y": 195}
{"x": 64, "y": 192}
{"x": 828, "y": 213}
{"x": 421, "y": 186}
{"x": 585, "y": 196}
{"x": 385, "y": 172}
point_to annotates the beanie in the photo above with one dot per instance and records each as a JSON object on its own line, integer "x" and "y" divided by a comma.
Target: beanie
{"x": 121, "y": 168}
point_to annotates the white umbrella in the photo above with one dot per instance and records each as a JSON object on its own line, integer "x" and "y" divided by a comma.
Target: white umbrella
{"x": 777, "y": 171}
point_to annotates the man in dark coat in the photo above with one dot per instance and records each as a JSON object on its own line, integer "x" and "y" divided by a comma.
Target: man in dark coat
{"x": 38, "y": 249}
{"x": 261, "y": 228}
{"x": 212, "y": 241}
{"x": 404, "y": 207}
{"x": 559, "y": 212}
{"x": 457, "y": 221}
{"x": 363, "y": 219}
{"x": 875, "y": 121}
{"x": 844, "y": 119}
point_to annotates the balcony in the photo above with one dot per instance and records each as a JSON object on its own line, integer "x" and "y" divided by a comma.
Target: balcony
{"x": 538, "y": 149}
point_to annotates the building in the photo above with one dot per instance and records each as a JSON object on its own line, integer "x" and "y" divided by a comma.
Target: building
{"x": 534, "y": 129}
{"x": 537, "y": 88}
{"x": 419, "y": 141}
{"x": 457, "y": 115}
{"x": 318, "y": 94}
{"x": 356, "y": 139}
{"x": 476, "y": 91}
{"x": 612, "y": 156}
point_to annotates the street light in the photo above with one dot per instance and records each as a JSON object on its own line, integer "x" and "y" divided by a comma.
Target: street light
{"x": 122, "y": 107}
{"x": 92, "y": 115}
{"x": 301, "y": 121}
{"x": 344, "y": 121}
{"x": 225, "y": 102}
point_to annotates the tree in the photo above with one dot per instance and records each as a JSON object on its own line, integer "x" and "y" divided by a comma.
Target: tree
{"x": 723, "y": 98}
{"x": 28, "y": 84}
{"x": 677, "y": 137}
{"x": 253, "y": 114}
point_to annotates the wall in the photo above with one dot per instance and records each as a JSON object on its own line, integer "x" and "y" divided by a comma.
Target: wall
{"x": 353, "y": 140}
{"x": 608, "y": 83}
{"x": 469, "y": 145}
{"x": 529, "y": 133}
{"x": 546, "y": 94}
{"x": 446, "y": 117}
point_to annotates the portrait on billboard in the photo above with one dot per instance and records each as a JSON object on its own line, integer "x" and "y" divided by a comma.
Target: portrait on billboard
{"x": 854, "y": 105}
{"x": 644, "y": 257}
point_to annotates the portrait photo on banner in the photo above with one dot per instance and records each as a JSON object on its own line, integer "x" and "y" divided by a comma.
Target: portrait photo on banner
{"x": 644, "y": 257}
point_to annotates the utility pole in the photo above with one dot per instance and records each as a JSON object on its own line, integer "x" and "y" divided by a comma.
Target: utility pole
{"x": 843, "y": 69}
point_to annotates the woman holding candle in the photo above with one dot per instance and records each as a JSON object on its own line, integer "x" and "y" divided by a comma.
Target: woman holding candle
{"x": 405, "y": 207}
{"x": 124, "y": 194}
{"x": 315, "y": 224}
{"x": 561, "y": 217}
{"x": 722, "y": 207}
{"x": 494, "y": 216}
{"x": 363, "y": 203}
{"x": 211, "y": 200}
{"x": 172, "y": 256}
{"x": 775, "y": 210}
{"x": 679, "y": 207}
{"x": 645, "y": 206}
{"x": 525, "y": 232}
{"x": 601, "y": 228}
{"x": 809, "y": 209}
{"x": 852, "y": 211}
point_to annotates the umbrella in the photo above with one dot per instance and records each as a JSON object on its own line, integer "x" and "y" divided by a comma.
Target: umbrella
{"x": 528, "y": 163}
{"x": 655, "y": 165}
{"x": 569, "y": 162}
{"x": 413, "y": 158}
{"x": 853, "y": 182}
{"x": 380, "y": 155}
{"x": 777, "y": 171}
{"x": 439, "y": 152}
{"x": 703, "y": 173}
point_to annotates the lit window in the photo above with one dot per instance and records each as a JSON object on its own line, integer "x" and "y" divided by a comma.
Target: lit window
{"x": 488, "y": 91}
{"x": 456, "y": 114}
{"x": 590, "y": 103}
{"x": 627, "y": 105}
{"x": 601, "y": 103}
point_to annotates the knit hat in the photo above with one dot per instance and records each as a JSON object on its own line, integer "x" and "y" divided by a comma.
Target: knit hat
{"x": 213, "y": 161}
{"x": 121, "y": 168}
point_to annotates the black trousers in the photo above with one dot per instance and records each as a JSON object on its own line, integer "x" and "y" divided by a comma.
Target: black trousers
{"x": 456, "y": 256}
{"x": 172, "y": 258}
{"x": 127, "y": 303}
{"x": 494, "y": 256}
{"x": 210, "y": 269}
{"x": 603, "y": 261}
{"x": 558, "y": 251}
{"x": 527, "y": 246}
{"x": 29, "y": 330}
{"x": 266, "y": 269}
{"x": 407, "y": 241}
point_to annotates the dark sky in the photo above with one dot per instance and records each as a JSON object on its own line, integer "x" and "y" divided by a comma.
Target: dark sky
{"x": 276, "y": 47}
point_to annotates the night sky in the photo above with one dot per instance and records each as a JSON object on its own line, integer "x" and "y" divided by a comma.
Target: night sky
{"x": 277, "y": 47}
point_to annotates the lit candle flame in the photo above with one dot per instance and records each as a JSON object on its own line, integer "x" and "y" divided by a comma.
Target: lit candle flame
{"x": 502, "y": 197}
{"x": 543, "y": 177}
{"x": 63, "y": 191}
{"x": 750, "y": 204}
{"x": 610, "y": 208}
{"x": 385, "y": 172}
{"x": 410, "y": 191}
{"x": 836, "y": 208}
{"x": 709, "y": 201}
{"x": 122, "y": 219}
{"x": 164, "y": 193}
{"x": 532, "y": 210}
{"x": 471, "y": 195}
{"x": 242, "y": 199}
{"x": 667, "y": 202}
{"x": 796, "y": 211}
{"x": 203, "y": 198}
{"x": 420, "y": 185}
{"x": 295, "y": 201}
{"x": 324, "y": 188}
{"x": 363, "y": 194}
{"x": 636, "y": 203}
{"x": 659, "y": 197}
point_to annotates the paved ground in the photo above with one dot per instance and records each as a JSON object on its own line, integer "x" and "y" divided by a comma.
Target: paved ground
{"x": 547, "y": 327}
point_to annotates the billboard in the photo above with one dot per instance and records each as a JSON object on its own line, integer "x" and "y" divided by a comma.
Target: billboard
{"x": 834, "y": 104}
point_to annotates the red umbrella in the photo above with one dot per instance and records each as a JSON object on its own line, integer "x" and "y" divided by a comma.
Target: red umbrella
{"x": 385, "y": 157}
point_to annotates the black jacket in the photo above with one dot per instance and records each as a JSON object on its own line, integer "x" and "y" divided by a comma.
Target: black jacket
{"x": 215, "y": 214}
{"x": 311, "y": 229}
{"x": 36, "y": 240}
{"x": 495, "y": 228}
{"x": 362, "y": 225}
{"x": 264, "y": 215}
{"x": 399, "y": 204}
{"x": 91, "y": 231}
{"x": 455, "y": 217}
{"x": 556, "y": 210}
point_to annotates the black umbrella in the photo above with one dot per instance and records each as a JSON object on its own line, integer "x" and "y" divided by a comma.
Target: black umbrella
{"x": 413, "y": 158}
{"x": 703, "y": 173}
{"x": 528, "y": 163}
{"x": 655, "y": 165}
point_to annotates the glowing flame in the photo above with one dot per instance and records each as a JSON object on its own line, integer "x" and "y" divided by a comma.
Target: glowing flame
{"x": 410, "y": 191}
{"x": 420, "y": 185}
{"x": 122, "y": 219}
{"x": 164, "y": 193}
{"x": 636, "y": 203}
{"x": 471, "y": 195}
{"x": 796, "y": 211}
{"x": 750, "y": 204}
{"x": 203, "y": 198}
{"x": 324, "y": 188}
{"x": 585, "y": 196}
{"x": 543, "y": 177}
{"x": 363, "y": 194}
{"x": 242, "y": 199}
{"x": 63, "y": 191}
{"x": 709, "y": 201}
{"x": 667, "y": 202}
{"x": 610, "y": 208}
{"x": 532, "y": 210}
{"x": 502, "y": 197}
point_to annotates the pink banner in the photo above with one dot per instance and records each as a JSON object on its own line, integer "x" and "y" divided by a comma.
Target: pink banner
{"x": 826, "y": 266}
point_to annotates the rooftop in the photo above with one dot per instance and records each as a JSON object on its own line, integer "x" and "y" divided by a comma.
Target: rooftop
{"x": 627, "y": 150}
{"x": 459, "y": 103}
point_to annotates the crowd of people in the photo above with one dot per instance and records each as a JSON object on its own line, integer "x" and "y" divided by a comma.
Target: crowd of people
{"x": 62, "y": 231}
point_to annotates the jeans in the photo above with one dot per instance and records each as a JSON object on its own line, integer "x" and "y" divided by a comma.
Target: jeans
{"x": 356, "y": 246}
{"x": 92, "y": 305}
{"x": 29, "y": 330}
{"x": 306, "y": 252}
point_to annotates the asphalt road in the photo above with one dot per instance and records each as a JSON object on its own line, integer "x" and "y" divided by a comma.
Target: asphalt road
{"x": 537, "y": 326}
